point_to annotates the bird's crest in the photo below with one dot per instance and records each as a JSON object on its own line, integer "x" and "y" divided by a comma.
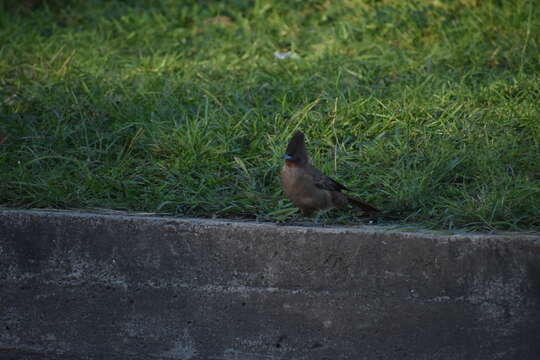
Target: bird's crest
{"x": 297, "y": 147}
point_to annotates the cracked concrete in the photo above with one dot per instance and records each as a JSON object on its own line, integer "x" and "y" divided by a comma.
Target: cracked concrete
{"x": 86, "y": 286}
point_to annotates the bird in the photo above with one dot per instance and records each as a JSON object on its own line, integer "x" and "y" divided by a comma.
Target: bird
{"x": 307, "y": 187}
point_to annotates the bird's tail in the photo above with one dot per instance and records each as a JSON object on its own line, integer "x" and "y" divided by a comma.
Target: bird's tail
{"x": 362, "y": 205}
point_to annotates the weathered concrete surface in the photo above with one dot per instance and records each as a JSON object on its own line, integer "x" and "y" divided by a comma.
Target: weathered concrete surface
{"x": 81, "y": 286}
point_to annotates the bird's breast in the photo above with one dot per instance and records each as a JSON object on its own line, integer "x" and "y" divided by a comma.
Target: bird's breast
{"x": 299, "y": 187}
{"x": 291, "y": 177}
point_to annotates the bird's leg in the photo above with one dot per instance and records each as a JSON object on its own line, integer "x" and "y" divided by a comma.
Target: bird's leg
{"x": 305, "y": 214}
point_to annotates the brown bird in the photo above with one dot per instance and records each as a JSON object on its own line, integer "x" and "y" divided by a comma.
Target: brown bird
{"x": 307, "y": 187}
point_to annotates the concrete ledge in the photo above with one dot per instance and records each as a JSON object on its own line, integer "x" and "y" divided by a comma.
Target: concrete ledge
{"x": 82, "y": 286}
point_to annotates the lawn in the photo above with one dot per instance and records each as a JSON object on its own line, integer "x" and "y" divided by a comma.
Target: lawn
{"x": 429, "y": 110}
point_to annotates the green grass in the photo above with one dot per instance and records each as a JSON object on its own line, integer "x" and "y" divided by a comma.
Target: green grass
{"x": 428, "y": 109}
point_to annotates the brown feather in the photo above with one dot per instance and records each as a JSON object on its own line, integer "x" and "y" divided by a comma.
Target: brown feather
{"x": 362, "y": 205}
{"x": 307, "y": 187}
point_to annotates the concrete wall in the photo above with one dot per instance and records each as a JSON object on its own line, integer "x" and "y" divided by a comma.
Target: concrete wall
{"x": 80, "y": 286}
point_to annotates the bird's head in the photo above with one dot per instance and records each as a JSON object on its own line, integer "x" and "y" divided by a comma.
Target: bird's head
{"x": 296, "y": 150}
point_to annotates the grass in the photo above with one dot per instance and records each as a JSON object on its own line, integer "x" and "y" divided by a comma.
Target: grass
{"x": 428, "y": 109}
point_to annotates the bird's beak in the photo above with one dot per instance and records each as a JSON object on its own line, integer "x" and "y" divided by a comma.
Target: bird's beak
{"x": 287, "y": 157}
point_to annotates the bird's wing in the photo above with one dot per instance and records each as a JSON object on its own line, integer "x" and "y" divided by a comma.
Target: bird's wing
{"x": 324, "y": 182}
